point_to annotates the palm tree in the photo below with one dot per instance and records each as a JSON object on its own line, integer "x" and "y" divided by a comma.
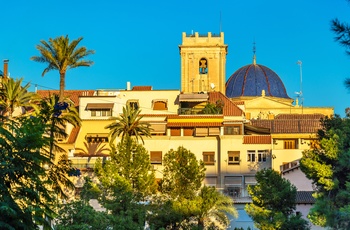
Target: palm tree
{"x": 13, "y": 95}
{"x": 214, "y": 208}
{"x": 129, "y": 124}
{"x": 56, "y": 120}
{"x": 61, "y": 55}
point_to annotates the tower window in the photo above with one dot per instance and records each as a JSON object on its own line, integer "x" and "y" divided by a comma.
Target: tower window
{"x": 203, "y": 66}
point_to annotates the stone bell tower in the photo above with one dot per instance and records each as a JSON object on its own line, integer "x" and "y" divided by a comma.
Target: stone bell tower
{"x": 203, "y": 61}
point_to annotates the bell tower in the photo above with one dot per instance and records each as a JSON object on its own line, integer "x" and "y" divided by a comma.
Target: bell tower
{"x": 203, "y": 61}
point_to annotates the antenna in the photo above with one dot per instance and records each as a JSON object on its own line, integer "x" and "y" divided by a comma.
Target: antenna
{"x": 300, "y": 93}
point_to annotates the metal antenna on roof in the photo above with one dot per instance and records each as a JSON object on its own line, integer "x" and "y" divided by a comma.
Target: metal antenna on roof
{"x": 300, "y": 93}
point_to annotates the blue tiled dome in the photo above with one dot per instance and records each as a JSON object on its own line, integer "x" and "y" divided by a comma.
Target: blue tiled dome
{"x": 251, "y": 79}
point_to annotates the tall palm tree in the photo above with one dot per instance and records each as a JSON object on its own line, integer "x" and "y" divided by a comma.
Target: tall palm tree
{"x": 13, "y": 95}
{"x": 61, "y": 54}
{"x": 129, "y": 124}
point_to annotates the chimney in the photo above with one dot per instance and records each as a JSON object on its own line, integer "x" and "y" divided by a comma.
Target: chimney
{"x": 128, "y": 85}
{"x": 6, "y": 61}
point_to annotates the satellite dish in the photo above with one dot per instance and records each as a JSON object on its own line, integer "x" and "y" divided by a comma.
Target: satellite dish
{"x": 212, "y": 85}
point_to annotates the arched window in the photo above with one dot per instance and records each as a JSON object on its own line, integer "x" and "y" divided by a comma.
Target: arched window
{"x": 203, "y": 66}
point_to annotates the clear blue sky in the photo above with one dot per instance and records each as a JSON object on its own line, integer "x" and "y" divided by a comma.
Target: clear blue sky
{"x": 137, "y": 41}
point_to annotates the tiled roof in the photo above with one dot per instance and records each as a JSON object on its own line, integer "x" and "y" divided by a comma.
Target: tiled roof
{"x": 299, "y": 116}
{"x": 142, "y": 88}
{"x": 238, "y": 102}
{"x": 289, "y": 125}
{"x": 73, "y": 135}
{"x": 71, "y": 94}
{"x": 175, "y": 116}
{"x": 230, "y": 108}
{"x": 257, "y": 139}
{"x": 194, "y": 124}
{"x": 305, "y": 197}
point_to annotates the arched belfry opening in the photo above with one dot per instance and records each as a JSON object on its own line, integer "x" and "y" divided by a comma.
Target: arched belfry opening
{"x": 203, "y": 61}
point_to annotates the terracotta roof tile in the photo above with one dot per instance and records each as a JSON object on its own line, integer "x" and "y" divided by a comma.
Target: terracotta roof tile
{"x": 230, "y": 109}
{"x": 142, "y": 88}
{"x": 194, "y": 124}
{"x": 305, "y": 197}
{"x": 315, "y": 116}
{"x": 175, "y": 116}
{"x": 71, "y": 94}
{"x": 73, "y": 135}
{"x": 257, "y": 139}
{"x": 289, "y": 125}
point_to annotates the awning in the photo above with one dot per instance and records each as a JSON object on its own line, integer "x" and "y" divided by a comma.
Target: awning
{"x": 193, "y": 97}
{"x": 201, "y": 132}
{"x": 210, "y": 181}
{"x": 233, "y": 180}
{"x": 158, "y": 127}
{"x": 90, "y": 106}
{"x": 214, "y": 131}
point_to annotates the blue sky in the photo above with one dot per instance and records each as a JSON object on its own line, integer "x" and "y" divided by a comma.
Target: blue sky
{"x": 137, "y": 41}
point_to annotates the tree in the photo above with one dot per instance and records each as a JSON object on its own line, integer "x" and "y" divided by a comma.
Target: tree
{"x": 182, "y": 174}
{"x": 213, "y": 208}
{"x": 79, "y": 215}
{"x": 55, "y": 120}
{"x": 13, "y": 95}
{"x": 61, "y": 54}
{"x": 342, "y": 32}
{"x": 129, "y": 124}
{"x": 273, "y": 202}
{"x": 130, "y": 161}
{"x": 327, "y": 165}
{"x": 25, "y": 198}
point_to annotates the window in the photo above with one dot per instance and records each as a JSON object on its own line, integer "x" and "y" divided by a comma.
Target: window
{"x": 156, "y": 157}
{"x": 262, "y": 155}
{"x": 188, "y": 131}
{"x": 203, "y": 66}
{"x": 133, "y": 103}
{"x": 232, "y": 130}
{"x": 234, "y": 192}
{"x": 289, "y": 144}
{"x": 101, "y": 113}
{"x": 208, "y": 158}
{"x": 251, "y": 156}
{"x": 175, "y": 132}
{"x": 233, "y": 157}
{"x": 96, "y": 138}
{"x": 160, "y": 105}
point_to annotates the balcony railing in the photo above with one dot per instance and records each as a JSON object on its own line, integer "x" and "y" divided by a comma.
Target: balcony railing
{"x": 194, "y": 111}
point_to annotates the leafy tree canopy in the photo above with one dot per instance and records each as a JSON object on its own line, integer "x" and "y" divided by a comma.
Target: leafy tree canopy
{"x": 327, "y": 165}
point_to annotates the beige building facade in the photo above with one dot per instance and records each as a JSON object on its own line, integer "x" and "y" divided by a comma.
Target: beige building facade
{"x": 234, "y": 126}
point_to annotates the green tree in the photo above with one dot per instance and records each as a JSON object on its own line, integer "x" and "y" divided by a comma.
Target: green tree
{"x": 118, "y": 197}
{"x": 129, "y": 124}
{"x": 79, "y": 215}
{"x": 342, "y": 32}
{"x": 56, "y": 120}
{"x": 213, "y": 209}
{"x": 24, "y": 196}
{"x": 182, "y": 174}
{"x": 13, "y": 95}
{"x": 62, "y": 54}
{"x": 131, "y": 161}
{"x": 273, "y": 202}
{"x": 327, "y": 165}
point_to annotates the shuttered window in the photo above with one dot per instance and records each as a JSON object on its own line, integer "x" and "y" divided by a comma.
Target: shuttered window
{"x": 156, "y": 157}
